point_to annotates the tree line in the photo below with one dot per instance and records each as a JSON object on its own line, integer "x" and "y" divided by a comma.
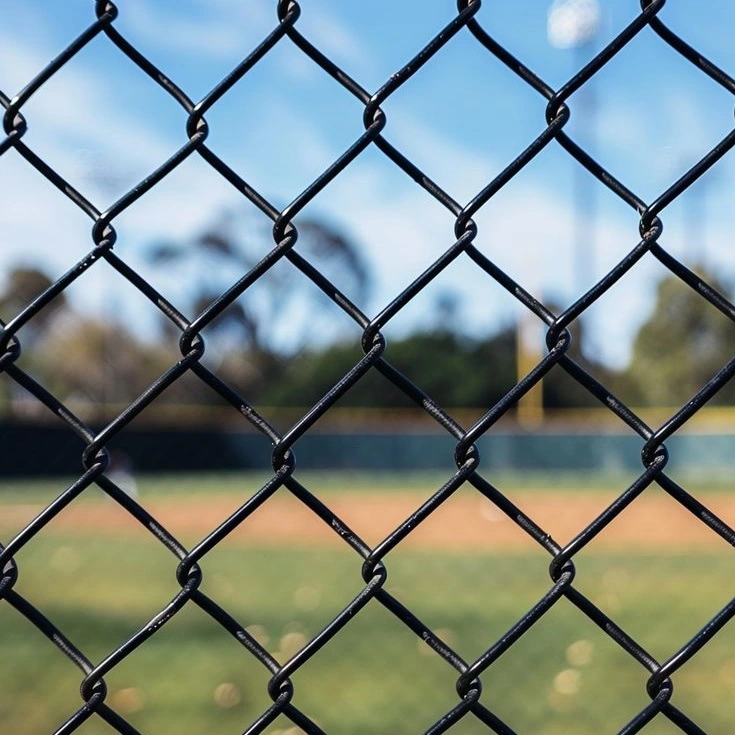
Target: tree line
{"x": 280, "y": 347}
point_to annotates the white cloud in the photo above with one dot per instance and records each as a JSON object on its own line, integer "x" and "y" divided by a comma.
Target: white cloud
{"x": 59, "y": 111}
{"x": 527, "y": 231}
{"x": 103, "y": 156}
{"x": 183, "y": 204}
{"x": 221, "y": 29}
{"x": 667, "y": 141}
{"x": 334, "y": 39}
{"x": 37, "y": 222}
{"x": 458, "y": 168}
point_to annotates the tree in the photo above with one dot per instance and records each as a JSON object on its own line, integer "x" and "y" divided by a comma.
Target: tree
{"x": 455, "y": 370}
{"x": 22, "y": 285}
{"x": 561, "y": 391}
{"x": 682, "y": 345}
{"x": 217, "y": 257}
{"x": 282, "y": 312}
{"x": 81, "y": 358}
{"x": 97, "y": 363}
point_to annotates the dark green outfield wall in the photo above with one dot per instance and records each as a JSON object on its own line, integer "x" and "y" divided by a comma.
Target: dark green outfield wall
{"x": 32, "y": 450}
{"x": 516, "y": 452}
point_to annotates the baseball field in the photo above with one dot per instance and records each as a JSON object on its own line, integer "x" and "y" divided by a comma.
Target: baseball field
{"x": 468, "y": 572}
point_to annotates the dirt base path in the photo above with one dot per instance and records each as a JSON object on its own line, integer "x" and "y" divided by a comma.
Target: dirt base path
{"x": 466, "y": 521}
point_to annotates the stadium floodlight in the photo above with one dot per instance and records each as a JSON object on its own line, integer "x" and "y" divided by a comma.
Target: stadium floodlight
{"x": 572, "y": 23}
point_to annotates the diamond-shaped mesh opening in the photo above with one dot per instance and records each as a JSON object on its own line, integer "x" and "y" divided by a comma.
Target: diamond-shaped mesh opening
{"x": 58, "y": 566}
{"x": 382, "y": 670}
{"x": 224, "y": 684}
{"x": 75, "y": 137}
{"x": 220, "y": 36}
{"x": 483, "y": 593}
{"x": 104, "y": 365}
{"x": 312, "y": 573}
{"x": 557, "y": 254}
{"x": 424, "y": 127}
{"x": 157, "y": 234}
{"x": 242, "y": 124}
{"x": 427, "y": 451}
{"x": 619, "y": 131}
{"x": 576, "y": 668}
{"x": 402, "y": 230}
{"x": 38, "y": 239}
{"x": 639, "y": 588}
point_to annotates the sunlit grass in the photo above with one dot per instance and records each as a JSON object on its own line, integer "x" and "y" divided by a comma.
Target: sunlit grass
{"x": 565, "y": 677}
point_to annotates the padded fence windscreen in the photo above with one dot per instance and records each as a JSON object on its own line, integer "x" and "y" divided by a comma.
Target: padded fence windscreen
{"x": 372, "y": 562}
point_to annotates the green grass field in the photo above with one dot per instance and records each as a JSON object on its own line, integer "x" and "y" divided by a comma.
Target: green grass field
{"x": 565, "y": 677}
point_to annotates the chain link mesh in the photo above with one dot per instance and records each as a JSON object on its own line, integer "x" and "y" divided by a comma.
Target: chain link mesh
{"x": 469, "y": 468}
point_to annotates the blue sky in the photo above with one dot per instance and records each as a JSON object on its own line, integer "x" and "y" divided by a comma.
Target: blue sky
{"x": 104, "y": 125}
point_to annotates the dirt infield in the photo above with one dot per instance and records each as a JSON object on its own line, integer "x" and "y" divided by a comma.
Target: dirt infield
{"x": 466, "y": 521}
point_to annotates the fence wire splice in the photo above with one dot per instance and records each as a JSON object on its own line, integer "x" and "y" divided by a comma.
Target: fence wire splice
{"x": 469, "y": 467}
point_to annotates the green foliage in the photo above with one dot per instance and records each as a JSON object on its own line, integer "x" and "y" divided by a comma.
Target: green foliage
{"x": 682, "y": 345}
{"x": 94, "y": 361}
{"x": 212, "y": 261}
{"x": 456, "y": 371}
{"x": 22, "y": 285}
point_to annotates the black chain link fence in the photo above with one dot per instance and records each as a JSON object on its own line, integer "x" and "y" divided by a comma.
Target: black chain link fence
{"x": 375, "y": 560}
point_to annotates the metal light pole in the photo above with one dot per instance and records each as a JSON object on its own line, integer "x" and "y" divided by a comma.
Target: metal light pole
{"x": 574, "y": 24}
